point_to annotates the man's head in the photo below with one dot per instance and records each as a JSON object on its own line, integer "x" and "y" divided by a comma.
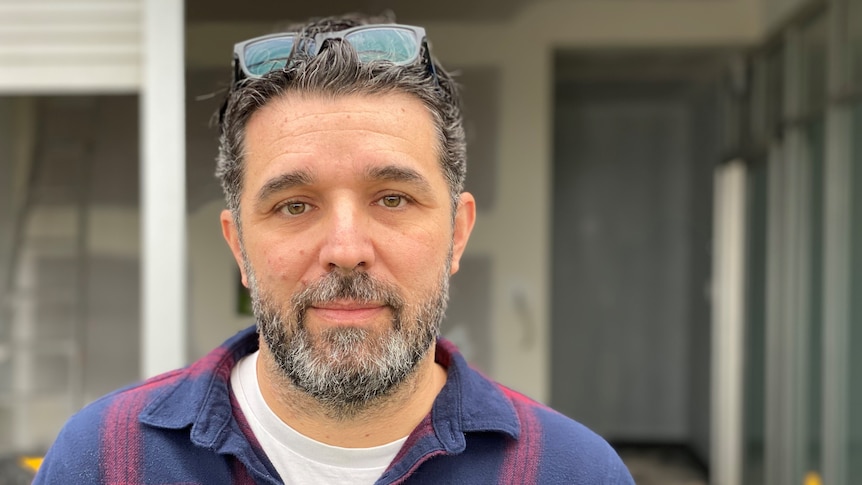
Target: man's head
{"x": 345, "y": 213}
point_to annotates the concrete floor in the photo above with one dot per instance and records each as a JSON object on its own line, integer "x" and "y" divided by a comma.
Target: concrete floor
{"x": 662, "y": 466}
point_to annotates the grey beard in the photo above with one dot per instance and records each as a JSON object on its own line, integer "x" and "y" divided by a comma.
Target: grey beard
{"x": 347, "y": 370}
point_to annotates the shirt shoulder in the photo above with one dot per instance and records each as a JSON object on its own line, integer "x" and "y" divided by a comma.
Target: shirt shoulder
{"x": 78, "y": 453}
{"x": 563, "y": 450}
{"x": 511, "y": 438}
{"x": 177, "y": 427}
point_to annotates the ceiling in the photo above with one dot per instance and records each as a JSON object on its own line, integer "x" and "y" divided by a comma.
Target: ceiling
{"x": 406, "y": 11}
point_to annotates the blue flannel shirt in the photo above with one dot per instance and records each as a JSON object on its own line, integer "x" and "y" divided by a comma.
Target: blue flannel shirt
{"x": 185, "y": 427}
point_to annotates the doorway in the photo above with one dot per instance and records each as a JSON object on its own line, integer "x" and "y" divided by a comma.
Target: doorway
{"x": 636, "y": 140}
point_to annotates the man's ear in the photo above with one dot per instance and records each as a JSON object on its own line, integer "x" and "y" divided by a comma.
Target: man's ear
{"x": 230, "y": 231}
{"x": 465, "y": 218}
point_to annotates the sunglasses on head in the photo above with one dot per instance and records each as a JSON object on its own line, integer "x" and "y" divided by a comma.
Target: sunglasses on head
{"x": 399, "y": 44}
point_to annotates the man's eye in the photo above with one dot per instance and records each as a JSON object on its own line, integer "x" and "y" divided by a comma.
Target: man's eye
{"x": 294, "y": 208}
{"x": 392, "y": 201}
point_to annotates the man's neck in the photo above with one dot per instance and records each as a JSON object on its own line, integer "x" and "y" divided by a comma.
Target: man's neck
{"x": 390, "y": 418}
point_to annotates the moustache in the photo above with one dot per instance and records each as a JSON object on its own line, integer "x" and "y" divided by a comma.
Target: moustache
{"x": 357, "y": 286}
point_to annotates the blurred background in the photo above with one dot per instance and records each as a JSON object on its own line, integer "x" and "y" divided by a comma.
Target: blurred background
{"x": 670, "y": 212}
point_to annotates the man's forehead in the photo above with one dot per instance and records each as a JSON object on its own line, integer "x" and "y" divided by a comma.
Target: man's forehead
{"x": 299, "y": 119}
{"x": 298, "y": 131}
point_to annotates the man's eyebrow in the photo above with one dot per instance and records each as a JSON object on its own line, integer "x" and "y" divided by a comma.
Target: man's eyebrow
{"x": 283, "y": 182}
{"x": 396, "y": 173}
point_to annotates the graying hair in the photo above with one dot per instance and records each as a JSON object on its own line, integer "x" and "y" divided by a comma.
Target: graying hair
{"x": 337, "y": 71}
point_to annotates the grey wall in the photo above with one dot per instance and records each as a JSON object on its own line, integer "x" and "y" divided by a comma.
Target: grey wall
{"x": 632, "y": 207}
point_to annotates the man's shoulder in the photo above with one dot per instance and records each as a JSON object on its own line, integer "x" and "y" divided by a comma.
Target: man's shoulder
{"x": 123, "y": 407}
{"x": 131, "y": 420}
{"x": 558, "y": 448}
{"x": 79, "y": 447}
{"x": 566, "y": 450}
{"x": 140, "y": 394}
{"x": 536, "y": 417}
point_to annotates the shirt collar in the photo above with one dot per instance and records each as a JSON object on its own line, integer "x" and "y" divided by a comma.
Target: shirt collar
{"x": 469, "y": 402}
{"x": 201, "y": 399}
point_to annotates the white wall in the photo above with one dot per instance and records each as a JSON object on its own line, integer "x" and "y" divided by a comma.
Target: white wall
{"x": 97, "y": 43}
{"x": 213, "y": 280}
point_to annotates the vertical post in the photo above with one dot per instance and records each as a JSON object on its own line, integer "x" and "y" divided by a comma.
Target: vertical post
{"x": 163, "y": 197}
{"x": 776, "y": 273}
{"x": 23, "y": 361}
{"x": 728, "y": 322}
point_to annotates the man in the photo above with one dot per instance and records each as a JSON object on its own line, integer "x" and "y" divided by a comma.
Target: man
{"x": 342, "y": 159}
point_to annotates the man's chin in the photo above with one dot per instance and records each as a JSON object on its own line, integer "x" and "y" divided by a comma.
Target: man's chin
{"x": 346, "y": 370}
{"x": 345, "y": 344}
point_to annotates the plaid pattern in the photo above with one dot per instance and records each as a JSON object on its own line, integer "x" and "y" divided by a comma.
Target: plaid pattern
{"x": 185, "y": 427}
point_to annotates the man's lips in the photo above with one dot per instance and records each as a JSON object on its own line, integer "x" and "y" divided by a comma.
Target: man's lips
{"x": 347, "y": 312}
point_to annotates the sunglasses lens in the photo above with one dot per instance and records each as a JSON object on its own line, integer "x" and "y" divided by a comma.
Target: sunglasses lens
{"x": 398, "y": 46}
{"x": 267, "y": 55}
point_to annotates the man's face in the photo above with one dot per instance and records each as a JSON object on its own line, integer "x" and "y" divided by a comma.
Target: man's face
{"x": 348, "y": 240}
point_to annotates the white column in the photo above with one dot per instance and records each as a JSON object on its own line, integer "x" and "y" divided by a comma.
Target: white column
{"x": 728, "y": 314}
{"x": 163, "y": 195}
{"x": 23, "y": 356}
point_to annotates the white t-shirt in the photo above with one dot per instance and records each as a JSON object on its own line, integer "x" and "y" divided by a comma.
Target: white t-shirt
{"x": 298, "y": 458}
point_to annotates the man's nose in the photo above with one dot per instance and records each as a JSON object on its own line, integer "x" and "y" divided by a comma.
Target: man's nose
{"x": 347, "y": 241}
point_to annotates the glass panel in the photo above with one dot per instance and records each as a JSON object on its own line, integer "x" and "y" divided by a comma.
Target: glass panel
{"x": 812, "y": 332}
{"x": 814, "y": 57}
{"x": 854, "y": 374}
{"x": 755, "y": 338}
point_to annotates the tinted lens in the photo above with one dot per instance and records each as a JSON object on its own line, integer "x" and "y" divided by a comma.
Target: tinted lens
{"x": 399, "y": 46}
{"x": 267, "y": 55}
